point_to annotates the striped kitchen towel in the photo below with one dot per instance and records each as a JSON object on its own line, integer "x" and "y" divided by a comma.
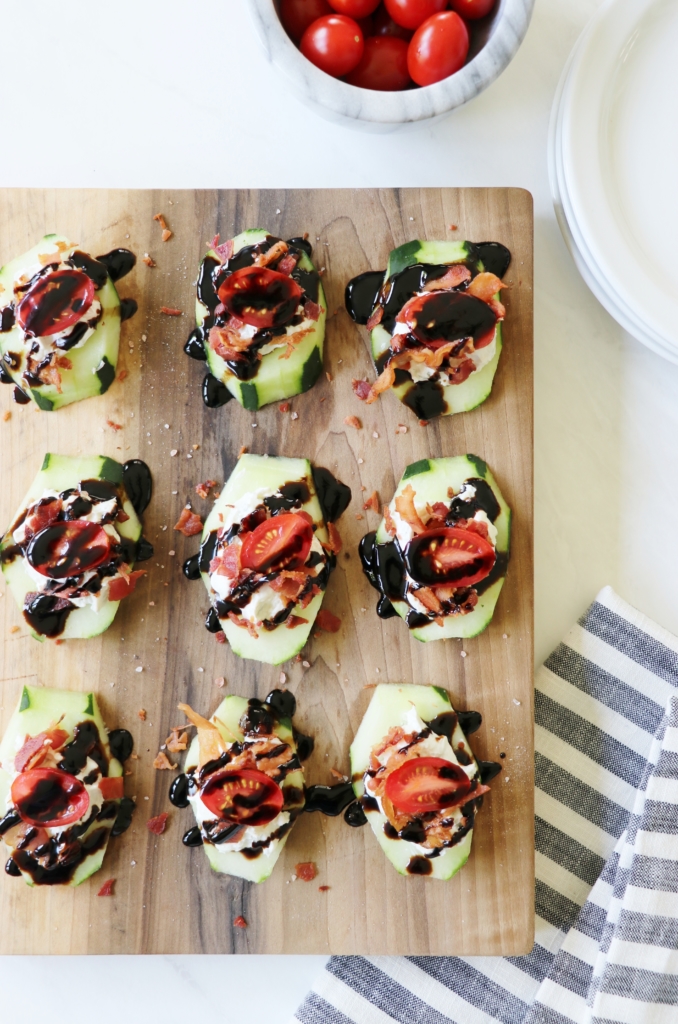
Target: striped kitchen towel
{"x": 606, "y": 836}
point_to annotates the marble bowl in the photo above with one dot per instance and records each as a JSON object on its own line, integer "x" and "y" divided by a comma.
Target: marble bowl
{"x": 494, "y": 42}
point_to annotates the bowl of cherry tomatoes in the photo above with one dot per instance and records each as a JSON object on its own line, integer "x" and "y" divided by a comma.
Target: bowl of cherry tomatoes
{"x": 380, "y": 64}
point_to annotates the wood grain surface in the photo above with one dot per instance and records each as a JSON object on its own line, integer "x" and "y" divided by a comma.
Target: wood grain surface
{"x": 167, "y": 900}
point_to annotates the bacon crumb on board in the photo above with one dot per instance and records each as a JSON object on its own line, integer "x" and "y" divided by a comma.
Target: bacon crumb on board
{"x": 336, "y": 774}
{"x": 158, "y": 824}
{"x": 220, "y": 638}
{"x": 188, "y": 523}
{"x": 243, "y": 451}
{"x": 329, "y": 376}
{"x": 7, "y": 415}
{"x": 327, "y": 621}
{"x": 353, "y": 421}
{"x": 114, "y": 426}
{"x": 142, "y": 714}
{"x": 166, "y": 233}
{"x": 107, "y": 888}
{"x": 177, "y": 739}
{"x": 372, "y": 503}
{"x": 361, "y": 388}
{"x": 148, "y": 260}
{"x": 284, "y": 407}
{"x": 123, "y": 374}
{"x": 170, "y": 311}
{"x": 203, "y": 489}
{"x": 323, "y": 888}
{"x": 306, "y": 871}
{"x": 162, "y": 762}
{"x": 240, "y": 922}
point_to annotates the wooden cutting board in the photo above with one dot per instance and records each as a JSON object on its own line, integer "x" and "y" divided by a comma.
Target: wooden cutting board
{"x": 167, "y": 900}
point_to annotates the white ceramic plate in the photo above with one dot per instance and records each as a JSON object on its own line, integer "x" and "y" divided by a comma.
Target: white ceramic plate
{"x": 617, "y": 161}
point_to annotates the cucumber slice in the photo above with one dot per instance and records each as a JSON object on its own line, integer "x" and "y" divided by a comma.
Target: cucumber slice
{"x": 431, "y": 479}
{"x": 276, "y": 378}
{"x": 255, "y": 473}
{"x": 388, "y": 707}
{"x": 59, "y": 473}
{"x": 429, "y": 400}
{"x": 39, "y": 709}
{"x": 93, "y": 365}
{"x": 228, "y": 715}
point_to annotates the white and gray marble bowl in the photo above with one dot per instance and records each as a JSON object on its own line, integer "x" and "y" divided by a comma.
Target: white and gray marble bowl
{"x": 494, "y": 43}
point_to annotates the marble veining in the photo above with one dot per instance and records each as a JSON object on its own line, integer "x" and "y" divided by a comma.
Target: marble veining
{"x": 382, "y": 111}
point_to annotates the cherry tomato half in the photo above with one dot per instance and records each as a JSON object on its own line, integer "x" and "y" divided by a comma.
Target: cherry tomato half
{"x": 49, "y": 798}
{"x": 244, "y": 796}
{"x": 334, "y": 44}
{"x": 55, "y": 302}
{"x": 449, "y": 555}
{"x": 383, "y": 65}
{"x": 260, "y": 297}
{"x": 449, "y": 316}
{"x": 412, "y": 13}
{"x": 68, "y": 549}
{"x": 438, "y": 48}
{"x": 384, "y": 25}
{"x": 297, "y": 15}
{"x": 282, "y": 542}
{"x": 354, "y": 8}
{"x": 426, "y": 784}
{"x": 472, "y": 9}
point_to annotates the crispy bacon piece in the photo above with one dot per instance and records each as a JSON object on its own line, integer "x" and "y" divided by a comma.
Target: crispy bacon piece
{"x": 306, "y": 871}
{"x": 148, "y": 260}
{"x": 122, "y": 586}
{"x": 239, "y": 620}
{"x": 485, "y": 286}
{"x": 226, "y": 341}
{"x": 112, "y": 787}
{"x": 107, "y": 888}
{"x": 210, "y": 741}
{"x": 388, "y": 521}
{"x": 162, "y": 762}
{"x": 50, "y": 375}
{"x": 307, "y": 598}
{"x": 292, "y": 340}
{"x": 288, "y": 584}
{"x": 220, "y": 637}
{"x": 361, "y": 388}
{"x": 203, "y": 489}
{"x": 41, "y": 516}
{"x": 455, "y": 276}
{"x": 312, "y": 310}
{"x": 264, "y": 259}
{"x": 35, "y": 748}
{"x": 188, "y": 523}
{"x": 429, "y": 600}
{"x": 158, "y": 824}
{"x": 170, "y": 311}
{"x": 406, "y": 509}
{"x": 288, "y": 263}
{"x": 113, "y": 425}
{"x": 372, "y": 503}
{"x": 227, "y": 562}
{"x": 375, "y": 317}
{"x": 353, "y": 421}
{"x": 327, "y": 621}
{"x": 458, "y": 374}
{"x": 62, "y": 362}
{"x": 498, "y": 308}
{"x": 295, "y": 620}
{"x": 334, "y": 542}
{"x": 177, "y": 739}
{"x": 474, "y": 526}
{"x": 240, "y": 922}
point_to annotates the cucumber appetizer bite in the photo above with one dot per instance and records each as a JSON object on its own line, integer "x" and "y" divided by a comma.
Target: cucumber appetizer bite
{"x": 440, "y": 555}
{"x": 268, "y": 547}
{"x": 260, "y": 312}
{"x": 244, "y": 781}
{"x": 61, "y": 787}
{"x": 417, "y": 779}
{"x": 435, "y": 322}
{"x": 69, "y": 555}
{"x": 60, "y": 322}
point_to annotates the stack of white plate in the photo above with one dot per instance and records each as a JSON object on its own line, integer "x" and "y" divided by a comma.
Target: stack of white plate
{"x": 613, "y": 165}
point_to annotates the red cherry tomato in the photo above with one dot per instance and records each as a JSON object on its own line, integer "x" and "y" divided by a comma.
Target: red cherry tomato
{"x": 438, "y": 317}
{"x": 55, "y": 302}
{"x": 472, "y": 9}
{"x": 384, "y": 25}
{"x": 449, "y": 555}
{"x": 354, "y": 8}
{"x": 112, "y": 788}
{"x": 426, "y": 784}
{"x": 244, "y": 796}
{"x": 383, "y": 65}
{"x": 412, "y": 13}
{"x": 282, "y": 542}
{"x": 297, "y": 15}
{"x": 68, "y": 549}
{"x": 334, "y": 44}
{"x": 260, "y": 297}
{"x": 49, "y": 798}
{"x": 438, "y": 48}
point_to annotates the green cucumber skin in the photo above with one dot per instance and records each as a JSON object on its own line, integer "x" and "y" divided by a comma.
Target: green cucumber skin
{"x": 388, "y": 703}
{"x": 93, "y": 365}
{"x": 475, "y": 389}
{"x": 229, "y": 712}
{"x": 252, "y": 473}
{"x": 434, "y": 481}
{"x": 38, "y": 709}
{"x": 276, "y": 378}
{"x": 58, "y": 473}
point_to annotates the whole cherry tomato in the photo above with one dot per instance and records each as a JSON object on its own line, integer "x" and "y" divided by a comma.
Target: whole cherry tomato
{"x": 334, "y": 44}
{"x": 297, "y": 15}
{"x": 384, "y": 25}
{"x": 472, "y": 9}
{"x": 383, "y": 65}
{"x": 412, "y": 13}
{"x": 438, "y": 48}
{"x": 354, "y": 8}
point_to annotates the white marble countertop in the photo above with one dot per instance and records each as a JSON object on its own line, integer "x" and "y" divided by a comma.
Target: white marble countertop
{"x": 174, "y": 94}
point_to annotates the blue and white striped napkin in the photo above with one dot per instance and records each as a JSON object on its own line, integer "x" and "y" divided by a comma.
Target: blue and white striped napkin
{"x": 606, "y": 835}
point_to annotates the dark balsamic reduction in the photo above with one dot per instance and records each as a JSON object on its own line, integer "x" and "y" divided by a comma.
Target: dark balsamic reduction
{"x": 7, "y": 319}
{"x": 362, "y": 293}
{"x": 193, "y": 837}
{"x": 470, "y": 721}
{"x": 426, "y": 399}
{"x": 83, "y": 550}
{"x": 20, "y": 397}
{"x": 488, "y": 770}
{"x": 11, "y": 819}
{"x": 495, "y": 257}
{"x": 334, "y": 497}
{"x": 483, "y": 501}
{"x": 301, "y": 243}
{"x": 212, "y": 624}
{"x": 191, "y": 568}
{"x": 207, "y": 293}
{"x": 95, "y": 269}
{"x": 419, "y": 866}
{"x": 282, "y": 702}
{"x": 12, "y": 868}
{"x": 128, "y": 308}
{"x": 144, "y": 550}
{"x": 329, "y": 800}
{"x": 86, "y": 743}
{"x": 4, "y": 376}
{"x": 400, "y": 288}
{"x": 453, "y": 315}
{"x": 305, "y": 745}
{"x": 354, "y": 815}
{"x": 121, "y": 743}
{"x": 118, "y": 263}
{"x": 179, "y": 791}
{"x": 214, "y": 393}
{"x": 208, "y": 549}
{"x": 194, "y": 347}
{"x": 47, "y": 614}
{"x": 137, "y": 480}
{"x": 123, "y": 818}
{"x": 292, "y": 495}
